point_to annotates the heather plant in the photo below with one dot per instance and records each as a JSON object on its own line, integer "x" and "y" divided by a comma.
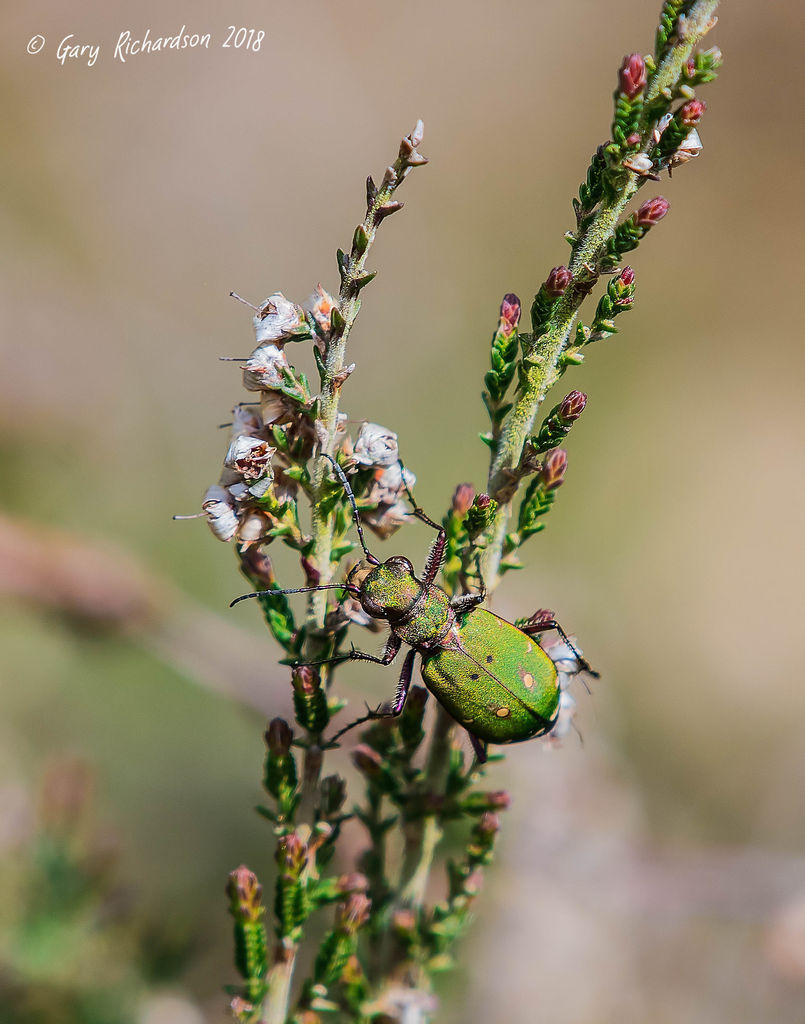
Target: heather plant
{"x": 377, "y": 932}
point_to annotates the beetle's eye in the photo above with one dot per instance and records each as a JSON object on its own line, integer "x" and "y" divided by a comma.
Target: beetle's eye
{"x": 372, "y": 607}
{"x": 400, "y": 562}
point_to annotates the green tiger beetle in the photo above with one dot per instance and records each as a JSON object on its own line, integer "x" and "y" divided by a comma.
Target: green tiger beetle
{"x": 490, "y": 675}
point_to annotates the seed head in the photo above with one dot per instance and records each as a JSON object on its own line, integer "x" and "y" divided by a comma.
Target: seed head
{"x": 652, "y": 212}
{"x": 632, "y": 76}
{"x": 557, "y": 282}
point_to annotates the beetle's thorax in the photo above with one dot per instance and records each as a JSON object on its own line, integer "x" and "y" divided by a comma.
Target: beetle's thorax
{"x": 419, "y": 613}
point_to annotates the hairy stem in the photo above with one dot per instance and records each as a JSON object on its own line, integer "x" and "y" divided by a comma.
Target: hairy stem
{"x": 541, "y": 363}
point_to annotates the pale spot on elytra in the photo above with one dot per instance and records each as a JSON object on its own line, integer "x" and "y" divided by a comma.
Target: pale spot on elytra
{"x": 528, "y": 680}
{"x": 529, "y": 648}
{"x": 503, "y": 712}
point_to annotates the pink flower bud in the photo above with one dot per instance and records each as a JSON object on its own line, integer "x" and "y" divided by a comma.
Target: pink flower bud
{"x": 488, "y": 826}
{"x": 462, "y": 499}
{"x": 652, "y": 212}
{"x": 558, "y": 280}
{"x": 632, "y": 76}
{"x": 553, "y": 469}
{"x": 279, "y": 736}
{"x": 291, "y": 855}
{"x": 353, "y": 882}
{"x": 244, "y": 892}
{"x": 509, "y": 315}
{"x": 305, "y": 681}
{"x": 572, "y": 406}
{"x": 691, "y": 113}
{"x": 366, "y": 760}
{"x": 626, "y": 276}
{"x": 353, "y": 913}
{"x": 482, "y": 502}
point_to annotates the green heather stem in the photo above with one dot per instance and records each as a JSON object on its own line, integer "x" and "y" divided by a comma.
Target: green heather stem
{"x": 541, "y": 364}
{"x": 422, "y": 834}
{"x": 275, "y": 1007}
{"x": 349, "y": 305}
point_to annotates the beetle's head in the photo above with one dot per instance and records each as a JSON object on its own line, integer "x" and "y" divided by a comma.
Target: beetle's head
{"x": 390, "y": 589}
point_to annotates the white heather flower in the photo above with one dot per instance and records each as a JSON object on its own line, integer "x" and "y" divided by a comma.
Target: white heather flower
{"x": 263, "y": 369}
{"x": 562, "y": 656}
{"x": 245, "y": 421}
{"x": 250, "y": 457}
{"x": 219, "y": 508}
{"x": 340, "y": 434}
{"x": 691, "y": 147}
{"x": 640, "y": 164}
{"x": 375, "y": 446}
{"x": 388, "y": 485}
{"x": 273, "y": 407}
{"x": 279, "y": 319}
{"x": 320, "y": 305}
{"x": 260, "y": 488}
{"x": 386, "y": 519}
{"x": 662, "y": 124}
{"x": 253, "y": 526}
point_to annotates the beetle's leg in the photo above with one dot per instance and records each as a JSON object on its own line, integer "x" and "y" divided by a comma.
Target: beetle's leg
{"x": 541, "y": 622}
{"x": 392, "y": 649}
{"x": 479, "y": 746}
{"x": 400, "y": 697}
{"x": 466, "y": 602}
{"x": 403, "y": 686}
{"x": 436, "y": 554}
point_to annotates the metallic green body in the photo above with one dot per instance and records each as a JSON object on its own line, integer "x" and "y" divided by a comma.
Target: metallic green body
{"x": 493, "y": 679}
{"x": 490, "y": 676}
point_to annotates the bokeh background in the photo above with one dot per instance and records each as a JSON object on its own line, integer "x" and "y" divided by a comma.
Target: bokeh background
{"x": 655, "y": 872}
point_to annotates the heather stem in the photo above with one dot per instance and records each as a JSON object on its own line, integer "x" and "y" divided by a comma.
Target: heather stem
{"x": 349, "y": 304}
{"x": 275, "y": 1007}
{"x": 541, "y": 364}
{"x": 423, "y": 833}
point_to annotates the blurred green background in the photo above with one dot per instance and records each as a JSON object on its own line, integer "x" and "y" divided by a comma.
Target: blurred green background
{"x": 656, "y": 872}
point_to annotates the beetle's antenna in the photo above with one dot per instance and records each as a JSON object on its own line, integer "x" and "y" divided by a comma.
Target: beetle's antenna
{"x": 372, "y": 716}
{"x": 349, "y": 587}
{"x": 339, "y": 472}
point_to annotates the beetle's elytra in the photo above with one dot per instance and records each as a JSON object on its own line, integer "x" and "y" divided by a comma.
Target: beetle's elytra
{"x": 490, "y": 675}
